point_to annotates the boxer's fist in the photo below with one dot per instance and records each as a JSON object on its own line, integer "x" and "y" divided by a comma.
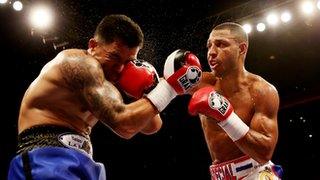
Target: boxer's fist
{"x": 210, "y": 103}
{"x": 137, "y": 78}
{"x": 182, "y": 70}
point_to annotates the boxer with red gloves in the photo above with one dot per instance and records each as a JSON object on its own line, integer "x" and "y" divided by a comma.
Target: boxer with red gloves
{"x": 73, "y": 92}
{"x": 238, "y": 110}
{"x": 79, "y": 88}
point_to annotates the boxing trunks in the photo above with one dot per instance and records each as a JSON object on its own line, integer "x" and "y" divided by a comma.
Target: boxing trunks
{"x": 245, "y": 168}
{"x": 54, "y": 152}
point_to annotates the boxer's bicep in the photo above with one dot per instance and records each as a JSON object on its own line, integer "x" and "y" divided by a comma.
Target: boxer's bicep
{"x": 88, "y": 82}
{"x": 264, "y": 120}
{"x": 102, "y": 97}
{"x": 102, "y": 103}
{"x": 260, "y": 141}
{"x": 124, "y": 120}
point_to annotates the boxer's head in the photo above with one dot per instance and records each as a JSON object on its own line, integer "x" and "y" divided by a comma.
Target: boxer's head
{"x": 117, "y": 40}
{"x": 227, "y": 46}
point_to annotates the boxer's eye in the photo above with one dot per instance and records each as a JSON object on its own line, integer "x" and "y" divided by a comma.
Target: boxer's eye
{"x": 218, "y": 43}
{"x": 209, "y": 45}
{"x": 112, "y": 57}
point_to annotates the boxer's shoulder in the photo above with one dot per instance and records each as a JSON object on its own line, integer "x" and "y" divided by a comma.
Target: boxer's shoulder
{"x": 72, "y": 53}
{"x": 262, "y": 91}
{"x": 79, "y": 68}
{"x": 75, "y": 56}
{"x": 259, "y": 84}
{"x": 77, "y": 59}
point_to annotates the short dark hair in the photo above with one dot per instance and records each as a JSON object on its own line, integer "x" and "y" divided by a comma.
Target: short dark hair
{"x": 119, "y": 27}
{"x": 235, "y": 29}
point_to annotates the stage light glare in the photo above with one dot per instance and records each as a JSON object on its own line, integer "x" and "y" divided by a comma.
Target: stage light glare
{"x": 261, "y": 27}
{"x": 285, "y": 17}
{"x": 3, "y": 1}
{"x": 17, "y": 5}
{"x": 41, "y": 17}
{"x": 318, "y": 5}
{"x": 307, "y": 7}
{"x": 272, "y": 19}
{"x": 247, "y": 28}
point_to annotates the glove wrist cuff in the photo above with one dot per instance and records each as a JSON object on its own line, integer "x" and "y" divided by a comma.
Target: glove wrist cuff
{"x": 234, "y": 127}
{"x": 161, "y": 95}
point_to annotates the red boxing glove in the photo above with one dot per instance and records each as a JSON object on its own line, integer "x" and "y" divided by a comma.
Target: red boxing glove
{"x": 137, "y": 78}
{"x": 208, "y": 102}
{"x": 182, "y": 70}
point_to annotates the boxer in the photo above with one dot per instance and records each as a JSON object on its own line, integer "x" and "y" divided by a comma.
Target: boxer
{"x": 78, "y": 88}
{"x": 238, "y": 110}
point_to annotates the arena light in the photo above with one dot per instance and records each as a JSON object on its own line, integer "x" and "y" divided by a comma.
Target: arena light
{"x": 318, "y": 5}
{"x": 261, "y": 27}
{"x": 17, "y": 5}
{"x": 3, "y": 1}
{"x": 307, "y": 7}
{"x": 285, "y": 17}
{"x": 272, "y": 19}
{"x": 247, "y": 28}
{"x": 41, "y": 17}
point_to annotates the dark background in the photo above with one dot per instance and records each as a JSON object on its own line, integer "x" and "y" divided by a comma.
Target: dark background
{"x": 286, "y": 56}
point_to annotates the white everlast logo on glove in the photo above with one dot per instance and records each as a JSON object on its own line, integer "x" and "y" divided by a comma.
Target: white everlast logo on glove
{"x": 190, "y": 78}
{"x": 216, "y": 101}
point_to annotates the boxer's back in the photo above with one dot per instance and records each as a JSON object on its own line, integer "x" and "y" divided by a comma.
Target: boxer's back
{"x": 49, "y": 100}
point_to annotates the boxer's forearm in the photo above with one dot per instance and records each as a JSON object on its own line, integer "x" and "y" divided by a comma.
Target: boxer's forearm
{"x": 152, "y": 126}
{"x": 258, "y": 146}
{"x": 132, "y": 119}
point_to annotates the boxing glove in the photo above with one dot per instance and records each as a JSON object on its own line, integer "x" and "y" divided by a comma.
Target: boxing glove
{"x": 182, "y": 71}
{"x": 208, "y": 102}
{"x": 137, "y": 78}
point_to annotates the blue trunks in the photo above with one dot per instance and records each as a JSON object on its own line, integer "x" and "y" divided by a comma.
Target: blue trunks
{"x": 54, "y": 153}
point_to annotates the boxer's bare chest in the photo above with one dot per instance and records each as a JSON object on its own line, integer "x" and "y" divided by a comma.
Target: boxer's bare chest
{"x": 220, "y": 145}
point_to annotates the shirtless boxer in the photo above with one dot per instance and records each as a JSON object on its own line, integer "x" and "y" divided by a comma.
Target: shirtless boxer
{"x": 238, "y": 110}
{"x": 78, "y": 88}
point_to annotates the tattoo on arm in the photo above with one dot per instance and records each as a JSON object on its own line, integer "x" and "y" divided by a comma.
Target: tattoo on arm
{"x": 79, "y": 74}
{"x": 94, "y": 91}
{"x": 105, "y": 106}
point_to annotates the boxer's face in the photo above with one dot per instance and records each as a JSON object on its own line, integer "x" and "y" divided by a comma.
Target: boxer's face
{"x": 113, "y": 57}
{"x": 223, "y": 52}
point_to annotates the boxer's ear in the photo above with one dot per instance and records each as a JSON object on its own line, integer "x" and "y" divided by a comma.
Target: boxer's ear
{"x": 243, "y": 48}
{"x": 92, "y": 43}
